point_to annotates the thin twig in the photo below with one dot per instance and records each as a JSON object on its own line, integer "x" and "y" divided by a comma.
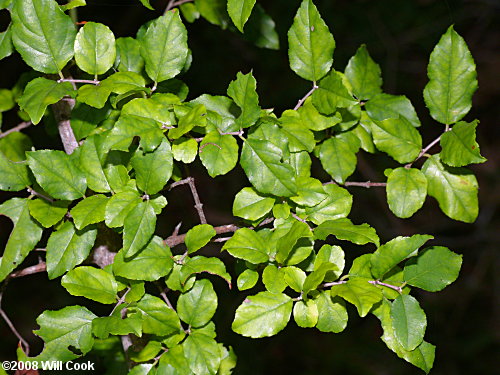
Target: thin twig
{"x": 367, "y": 184}
{"x": 21, "y": 126}
{"x": 26, "y": 348}
{"x": 173, "y": 4}
{"x": 327, "y": 285}
{"x": 39, "y": 195}
{"x": 301, "y": 101}
{"x": 424, "y": 151}
{"x": 72, "y": 80}
{"x": 175, "y": 240}
{"x": 396, "y": 288}
{"x": 120, "y": 301}
{"x": 37, "y": 268}
{"x": 197, "y": 203}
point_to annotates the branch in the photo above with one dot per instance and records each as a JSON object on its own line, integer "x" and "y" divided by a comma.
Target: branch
{"x": 173, "y": 4}
{"x": 177, "y": 239}
{"x": 367, "y": 184}
{"x": 301, "y": 101}
{"x": 37, "y": 268}
{"x": 21, "y": 126}
{"x": 91, "y": 81}
{"x": 39, "y": 195}
{"x": 396, "y": 288}
{"x": 24, "y": 343}
{"x": 62, "y": 113}
{"x": 197, "y": 203}
{"x": 422, "y": 153}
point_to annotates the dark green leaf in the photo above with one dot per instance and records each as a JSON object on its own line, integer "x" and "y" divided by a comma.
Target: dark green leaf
{"x": 364, "y": 75}
{"x": 384, "y": 106}
{"x": 6, "y": 43}
{"x": 359, "y": 292}
{"x": 95, "y": 50}
{"x": 239, "y": 11}
{"x": 92, "y": 283}
{"x": 408, "y": 321}
{"x": 218, "y": 153}
{"x": 261, "y": 29}
{"x": 332, "y": 94}
{"x": 89, "y": 211}
{"x": 459, "y": 145}
{"x": 243, "y": 91}
{"x": 246, "y": 244}
{"x": 344, "y": 229}
{"x": 250, "y": 205}
{"x": 338, "y": 159}
{"x": 452, "y": 79}
{"x": 91, "y": 163}
{"x": 199, "y": 236}
{"x": 310, "y": 42}
{"x": 406, "y": 191}
{"x": 15, "y": 175}
{"x": 138, "y": 227}
{"x": 214, "y": 11}
{"x": 197, "y": 306}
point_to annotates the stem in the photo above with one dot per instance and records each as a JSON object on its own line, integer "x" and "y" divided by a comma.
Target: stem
{"x": 327, "y": 285}
{"x": 173, "y": 4}
{"x": 197, "y": 203}
{"x": 62, "y": 113}
{"x": 120, "y": 301}
{"x": 72, "y": 80}
{"x": 37, "y": 268}
{"x": 24, "y": 343}
{"x": 21, "y": 126}
{"x": 301, "y": 101}
{"x": 177, "y": 239}
{"x": 39, "y": 195}
{"x": 423, "y": 152}
{"x": 367, "y": 184}
{"x": 396, "y": 288}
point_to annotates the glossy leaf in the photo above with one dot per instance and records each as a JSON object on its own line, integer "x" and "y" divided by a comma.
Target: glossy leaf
{"x": 15, "y": 175}
{"x": 332, "y": 94}
{"x": 408, "y": 321}
{"x": 305, "y": 313}
{"x": 329, "y": 254}
{"x": 332, "y": 314}
{"x": 164, "y": 47}
{"x": 455, "y": 189}
{"x": 406, "y": 191}
{"x": 153, "y": 169}
{"x": 42, "y": 34}
{"x": 315, "y": 120}
{"x": 57, "y": 174}
{"x": 364, "y": 75}
{"x": 150, "y": 264}
{"x": 47, "y": 213}
{"x": 384, "y": 106}
{"x": 119, "y": 205}
{"x": 310, "y": 192}
{"x": 214, "y": 11}
{"x": 273, "y": 280}
{"x": 92, "y": 283}
{"x": 395, "y": 251}
{"x": 315, "y": 278}
{"x": 435, "y": 268}
{"x": 158, "y": 318}
{"x": 459, "y": 146}
{"x": 199, "y": 264}
{"x": 203, "y": 354}
{"x": 247, "y": 279}
{"x": 261, "y": 161}
{"x": 452, "y": 79}
{"x": 40, "y": 93}
{"x": 250, "y": 205}
{"x": 310, "y": 42}
{"x": 197, "y": 306}
{"x": 91, "y": 163}
{"x": 23, "y": 238}
{"x": 291, "y": 238}
{"x": 199, "y": 236}
{"x": 218, "y": 153}
{"x": 174, "y": 361}
{"x": 138, "y": 227}
{"x": 128, "y": 55}
{"x": 67, "y": 247}
{"x": 94, "y": 95}
{"x": 114, "y": 325}
{"x": 70, "y": 327}
{"x": 95, "y": 50}
{"x": 359, "y": 292}
{"x": 337, "y": 205}
{"x": 261, "y": 29}
{"x": 300, "y": 138}
{"x": 239, "y": 11}
{"x": 398, "y": 138}
{"x": 246, "y": 244}
{"x": 89, "y": 211}
{"x": 262, "y": 315}
{"x": 6, "y": 46}
{"x": 185, "y": 150}
{"x": 294, "y": 277}
{"x": 337, "y": 159}
{"x": 344, "y": 229}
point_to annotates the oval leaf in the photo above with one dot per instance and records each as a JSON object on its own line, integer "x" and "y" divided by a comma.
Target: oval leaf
{"x": 95, "y": 50}
{"x": 406, "y": 191}
{"x": 91, "y": 283}
{"x": 408, "y": 321}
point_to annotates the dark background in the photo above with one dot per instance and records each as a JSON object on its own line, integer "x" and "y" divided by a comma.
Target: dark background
{"x": 462, "y": 319}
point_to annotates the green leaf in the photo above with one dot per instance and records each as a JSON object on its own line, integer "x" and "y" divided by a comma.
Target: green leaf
{"x": 91, "y": 283}
{"x": 122, "y": 83}
{"x": 316, "y": 277}
{"x": 223, "y": 108}
{"x": 359, "y": 292}
{"x": 73, "y": 4}
{"x": 138, "y": 227}
{"x": 332, "y": 314}
{"x": 398, "y": 138}
{"x": 408, "y": 321}
{"x": 459, "y": 145}
{"x": 310, "y": 43}
{"x": 243, "y": 91}
{"x": 7, "y": 101}
{"x": 158, "y": 318}
{"x": 305, "y": 313}
{"x": 147, "y": 4}
{"x": 395, "y": 251}
{"x": 261, "y": 29}
{"x": 214, "y": 11}
{"x": 344, "y": 229}
{"x": 47, "y": 213}
{"x": 174, "y": 361}
{"x": 310, "y": 192}
{"x": 384, "y": 106}
{"x": 197, "y": 306}
{"x": 40, "y": 93}
{"x": 239, "y": 11}
{"x": 250, "y": 205}
{"x": 89, "y": 211}
{"x": 337, "y": 158}
{"x": 364, "y": 75}
{"x": 329, "y": 254}
{"x": 262, "y": 315}
{"x": 406, "y": 191}
{"x": 202, "y": 353}
{"x": 218, "y": 153}
{"x": 185, "y": 150}
{"x": 294, "y": 277}
{"x": 455, "y": 189}
{"x": 337, "y": 205}
{"x": 332, "y": 94}
{"x": 247, "y": 279}
{"x": 57, "y": 174}
{"x": 153, "y": 169}
{"x": 128, "y": 55}
{"x": 287, "y": 243}
{"x": 15, "y": 145}
{"x": 23, "y": 238}
{"x": 261, "y": 161}
{"x": 246, "y": 244}
{"x": 422, "y": 356}
{"x": 95, "y": 50}
{"x": 315, "y": 120}
{"x": 68, "y": 247}
{"x": 6, "y": 46}
{"x": 435, "y": 268}
{"x": 198, "y": 236}
{"x": 70, "y": 327}
{"x": 273, "y": 280}
{"x": 42, "y": 34}
{"x": 150, "y": 264}
{"x": 119, "y": 206}
{"x": 94, "y": 95}
{"x": 91, "y": 163}
{"x": 299, "y": 136}
{"x": 199, "y": 264}
{"x": 164, "y": 47}
{"x": 15, "y": 175}
{"x": 452, "y": 79}
{"x": 115, "y": 325}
